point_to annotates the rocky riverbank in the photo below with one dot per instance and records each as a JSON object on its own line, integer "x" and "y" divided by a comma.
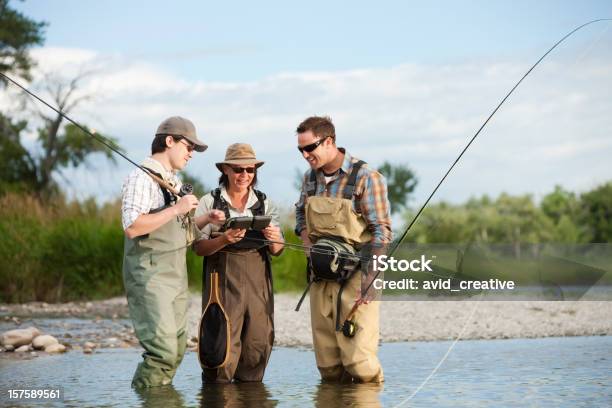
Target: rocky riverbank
{"x": 80, "y": 325}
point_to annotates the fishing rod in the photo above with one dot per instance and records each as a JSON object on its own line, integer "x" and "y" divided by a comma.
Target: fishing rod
{"x": 348, "y": 327}
{"x": 185, "y": 189}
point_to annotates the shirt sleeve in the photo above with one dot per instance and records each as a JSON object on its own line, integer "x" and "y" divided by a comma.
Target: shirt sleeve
{"x": 300, "y": 216}
{"x": 375, "y": 208}
{"x": 272, "y": 209}
{"x": 204, "y": 206}
{"x": 137, "y": 198}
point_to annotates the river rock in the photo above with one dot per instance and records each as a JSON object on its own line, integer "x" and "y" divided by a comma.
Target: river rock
{"x": 19, "y": 337}
{"x": 87, "y": 350}
{"x": 42, "y": 342}
{"x": 55, "y": 348}
{"x": 9, "y": 348}
{"x": 23, "y": 349}
{"x": 89, "y": 345}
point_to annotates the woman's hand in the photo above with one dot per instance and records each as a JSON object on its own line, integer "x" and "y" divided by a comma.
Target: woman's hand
{"x": 234, "y": 235}
{"x": 272, "y": 233}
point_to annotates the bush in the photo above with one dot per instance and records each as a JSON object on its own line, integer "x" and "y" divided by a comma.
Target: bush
{"x": 63, "y": 251}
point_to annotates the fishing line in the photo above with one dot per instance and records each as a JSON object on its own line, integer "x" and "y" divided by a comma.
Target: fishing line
{"x": 460, "y": 335}
{"x": 450, "y": 349}
{"x": 99, "y": 138}
{"x": 414, "y": 219}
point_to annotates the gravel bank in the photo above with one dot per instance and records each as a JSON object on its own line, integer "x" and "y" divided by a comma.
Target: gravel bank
{"x": 400, "y": 320}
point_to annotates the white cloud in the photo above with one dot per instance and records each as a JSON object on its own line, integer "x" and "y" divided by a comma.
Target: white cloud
{"x": 551, "y": 130}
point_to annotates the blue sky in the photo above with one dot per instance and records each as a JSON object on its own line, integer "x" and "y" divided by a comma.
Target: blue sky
{"x": 248, "y": 40}
{"x": 404, "y": 81}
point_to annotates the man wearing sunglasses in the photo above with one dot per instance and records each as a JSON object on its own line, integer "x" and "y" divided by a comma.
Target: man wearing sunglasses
{"x": 154, "y": 264}
{"x": 341, "y": 200}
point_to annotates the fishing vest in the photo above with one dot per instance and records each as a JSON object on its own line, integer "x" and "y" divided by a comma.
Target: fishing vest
{"x": 335, "y": 217}
{"x": 252, "y": 239}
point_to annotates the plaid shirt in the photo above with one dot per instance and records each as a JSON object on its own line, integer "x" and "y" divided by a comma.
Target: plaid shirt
{"x": 370, "y": 197}
{"x": 141, "y": 193}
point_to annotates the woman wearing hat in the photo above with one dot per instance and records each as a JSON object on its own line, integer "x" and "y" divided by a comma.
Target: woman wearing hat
{"x": 242, "y": 259}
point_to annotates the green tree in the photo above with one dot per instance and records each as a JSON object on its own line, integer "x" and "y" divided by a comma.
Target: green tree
{"x": 401, "y": 182}
{"x": 17, "y": 167}
{"x": 17, "y": 34}
{"x": 63, "y": 146}
{"x": 597, "y": 213}
{"x": 558, "y": 203}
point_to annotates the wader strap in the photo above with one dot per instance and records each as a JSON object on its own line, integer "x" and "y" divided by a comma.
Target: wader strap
{"x": 219, "y": 203}
{"x": 339, "y": 305}
{"x": 259, "y": 208}
{"x": 297, "y": 308}
{"x": 168, "y": 197}
{"x": 349, "y": 189}
{"x": 311, "y": 186}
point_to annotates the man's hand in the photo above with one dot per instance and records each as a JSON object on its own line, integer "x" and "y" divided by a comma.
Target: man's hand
{"x": 306, "y": 242}
{"x": 234, "y": 235}
{"x": 272, "y": 233}
{"x": 186, "y": 204}
{"x": 216, "y": 217}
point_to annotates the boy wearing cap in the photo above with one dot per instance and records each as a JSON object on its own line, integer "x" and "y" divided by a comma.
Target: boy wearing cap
{"x": 157, "y": 233}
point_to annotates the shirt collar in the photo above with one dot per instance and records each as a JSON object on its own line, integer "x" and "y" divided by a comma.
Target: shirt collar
{"x": 250, "y": 201}
{"x": 347, "y": 163}
{"x": 156, "y": 166}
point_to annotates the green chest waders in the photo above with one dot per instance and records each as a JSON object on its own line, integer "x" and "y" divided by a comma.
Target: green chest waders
{"x": 155, "y": 279}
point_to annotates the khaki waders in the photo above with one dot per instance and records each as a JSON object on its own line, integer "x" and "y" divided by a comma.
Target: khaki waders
{"x": 155, "y": 279}
{"x": 339, "y": 357}
{"x": 245, "y": 288}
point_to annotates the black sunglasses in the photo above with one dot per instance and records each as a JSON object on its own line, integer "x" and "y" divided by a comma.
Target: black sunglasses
{"x": 190, "y": 146}
{"x": 240, "y": 170}
{"x": 309, "y": 148}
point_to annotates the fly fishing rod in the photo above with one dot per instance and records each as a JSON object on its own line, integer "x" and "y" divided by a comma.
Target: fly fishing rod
{"x": 349, "y": 327}
{"x": 185, "y": 189}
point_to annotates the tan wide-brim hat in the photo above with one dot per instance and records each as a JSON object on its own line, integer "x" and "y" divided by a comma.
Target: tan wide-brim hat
{"x": 241, "y": 154}
{"x": 179, "y": 126}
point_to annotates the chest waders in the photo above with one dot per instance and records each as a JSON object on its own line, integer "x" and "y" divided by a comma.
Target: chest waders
{"x": 155, "y": 279}
{"x": 244, "y": 277}
{"x": 337, "y": 232}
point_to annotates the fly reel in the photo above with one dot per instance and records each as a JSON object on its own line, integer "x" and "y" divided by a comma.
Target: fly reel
{"x": 349, "y": 328}
{"x": 186, "y": 189}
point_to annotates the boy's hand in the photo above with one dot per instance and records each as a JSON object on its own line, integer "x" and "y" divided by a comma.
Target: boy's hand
{"x": 216, "y": 217}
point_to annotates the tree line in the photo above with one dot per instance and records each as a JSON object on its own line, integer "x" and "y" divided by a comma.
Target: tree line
{"x": 561, "y": 216}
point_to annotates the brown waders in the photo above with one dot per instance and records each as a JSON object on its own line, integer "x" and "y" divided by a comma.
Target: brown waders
{"x": 155, "y": 279}
{"x": 245, "y": 287}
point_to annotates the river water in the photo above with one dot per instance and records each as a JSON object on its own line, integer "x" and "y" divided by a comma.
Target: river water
{"x": 551, "y": 372}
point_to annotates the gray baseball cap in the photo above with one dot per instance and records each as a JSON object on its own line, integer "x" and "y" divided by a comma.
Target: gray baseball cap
{"x": 179, "y": 126}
